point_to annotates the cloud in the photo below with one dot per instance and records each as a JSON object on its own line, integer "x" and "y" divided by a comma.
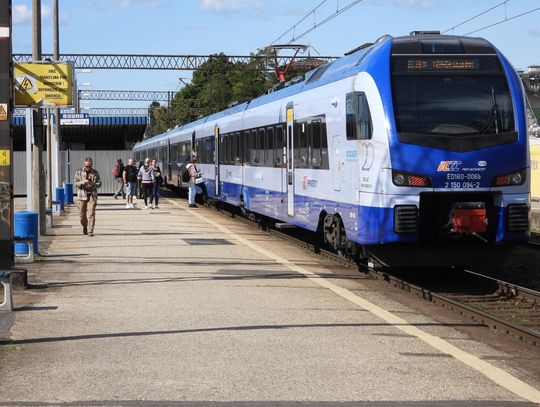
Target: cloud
{"x": 415, "y": 4}
{"x": 227, "y": 6}
{"x": 22, "y": 14}
{"x": 535, "y": 31}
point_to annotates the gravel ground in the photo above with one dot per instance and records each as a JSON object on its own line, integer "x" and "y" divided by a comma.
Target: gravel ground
{"x": 522, "y": 268}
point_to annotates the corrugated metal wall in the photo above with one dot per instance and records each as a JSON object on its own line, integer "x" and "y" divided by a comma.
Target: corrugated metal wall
{"x": 104, "y": 161}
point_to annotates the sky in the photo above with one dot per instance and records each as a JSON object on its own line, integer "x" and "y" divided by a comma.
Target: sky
{"x": 239, "y": 27}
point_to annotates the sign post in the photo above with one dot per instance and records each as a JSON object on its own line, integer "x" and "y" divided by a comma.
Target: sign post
{"x": 6, "y": 104}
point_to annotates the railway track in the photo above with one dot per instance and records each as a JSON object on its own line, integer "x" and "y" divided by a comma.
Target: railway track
{"x": 504, "y": 307}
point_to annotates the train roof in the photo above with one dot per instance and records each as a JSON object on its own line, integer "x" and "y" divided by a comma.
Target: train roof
{"x": 353, "y": 62}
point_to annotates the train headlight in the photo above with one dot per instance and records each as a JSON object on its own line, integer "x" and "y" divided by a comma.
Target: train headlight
{"x": 403, "y": 179}
{"x": 399, "y": 179}
{"x": 513, "y": 178}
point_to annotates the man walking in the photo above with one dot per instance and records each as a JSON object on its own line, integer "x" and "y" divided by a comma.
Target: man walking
{"x": 130, "y": 179}
{"x": 87, "y": 182}
{"x": 118, "y": 173}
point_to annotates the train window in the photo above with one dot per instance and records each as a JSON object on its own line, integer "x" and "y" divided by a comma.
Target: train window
{"x": 315, "y": 144}
{"x": 324, "y": 147}
{"x": 358, "y": 116}
{"x": 173, "y": 153}
{"x": 163, "y": 156}
{"x": 247, "y": 147}
{"x": 296, "y": 143}
{"x": 279, "y": 146}
{"x": 303, "y": 139}
{"x": 261, "y": 146}
{"x": 270, "y": 147}
{"x": 221, "y": 148}
{"x": 238, "y": 149}
{"x": 254, "y": 146}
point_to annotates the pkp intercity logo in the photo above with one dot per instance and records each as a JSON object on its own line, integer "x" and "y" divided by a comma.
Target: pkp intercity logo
{"x": 448, "y": 166}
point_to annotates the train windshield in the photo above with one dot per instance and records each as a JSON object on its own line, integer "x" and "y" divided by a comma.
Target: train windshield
{"x": 452, "y": 99}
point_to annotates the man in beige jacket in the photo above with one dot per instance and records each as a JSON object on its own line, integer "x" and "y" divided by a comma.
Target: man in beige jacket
{"x": 87, "y": 182}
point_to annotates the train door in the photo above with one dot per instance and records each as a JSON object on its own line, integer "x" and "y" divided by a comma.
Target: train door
{"x": 216, "y": 160}
{"x": 290, "y": 160}
{"x": 336, "y": 163}
{"x": 169, "y": 167}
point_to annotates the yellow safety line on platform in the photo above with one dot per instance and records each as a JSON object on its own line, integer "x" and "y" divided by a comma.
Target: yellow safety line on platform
{"x": 497, "y": 375}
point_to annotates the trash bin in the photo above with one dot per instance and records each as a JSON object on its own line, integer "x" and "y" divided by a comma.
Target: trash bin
{"x": 68, "y": 194}
{"x": 60, "y": 197}
{"x": 26, "y": 225}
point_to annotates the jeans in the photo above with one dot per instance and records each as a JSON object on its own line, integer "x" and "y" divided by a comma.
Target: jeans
{"x": 192, "y": 191}
{"x": 156, "y": 193}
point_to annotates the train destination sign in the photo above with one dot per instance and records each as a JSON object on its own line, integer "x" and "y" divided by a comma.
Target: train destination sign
{"x": 48, "y": 84}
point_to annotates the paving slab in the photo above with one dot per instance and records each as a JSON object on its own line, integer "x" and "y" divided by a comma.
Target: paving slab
{"x": 186, "y": 306}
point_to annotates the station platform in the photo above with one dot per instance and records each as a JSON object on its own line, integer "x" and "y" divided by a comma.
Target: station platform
{"x": 188, "y": 307}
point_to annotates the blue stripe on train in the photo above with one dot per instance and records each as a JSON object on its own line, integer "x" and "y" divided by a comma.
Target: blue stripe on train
{"x": 364, "y": 224}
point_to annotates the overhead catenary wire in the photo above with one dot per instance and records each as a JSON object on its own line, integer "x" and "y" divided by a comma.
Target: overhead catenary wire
{"x": 315, "y": 24}
{"x": 476, "y": 16}
{"x": 298, "y": 22}
{"x": 504, "y": 21}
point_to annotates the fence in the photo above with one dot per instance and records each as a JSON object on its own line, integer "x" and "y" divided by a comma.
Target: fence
{"x": 70, "y": 161}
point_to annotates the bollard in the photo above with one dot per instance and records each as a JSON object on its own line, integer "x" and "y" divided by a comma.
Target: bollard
{"x": 60, "y": 198}
{"x": 68, "y": 194}
{"x": 26, "y": 225}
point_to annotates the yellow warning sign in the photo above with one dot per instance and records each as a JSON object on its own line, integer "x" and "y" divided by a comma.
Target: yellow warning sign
{"x": 3, "y": 111}
{"x": 26, "y": 84}
{"x": 5, "y": 158}
{"x": 43, "y": 84}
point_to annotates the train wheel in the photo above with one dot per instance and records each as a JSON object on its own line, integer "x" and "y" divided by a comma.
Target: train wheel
{"x": 334, "y": 233}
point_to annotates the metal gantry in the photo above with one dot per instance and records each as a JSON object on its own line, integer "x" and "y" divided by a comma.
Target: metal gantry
{"x": 127, "y": 95}
{"x": 169, "y": 62}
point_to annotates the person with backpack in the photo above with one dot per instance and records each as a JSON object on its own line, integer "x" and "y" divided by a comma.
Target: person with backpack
{"x": 159, "y": 181}
{"x": 118, "y": 174}
{"x": 146, "y": 175}
{"x": 192, "y": 172}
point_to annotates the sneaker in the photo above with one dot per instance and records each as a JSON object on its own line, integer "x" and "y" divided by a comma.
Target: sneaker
{"x": 152, "y": 206}
{"x": 115, "y": 197}
{"x": 84, "y": 231}
{"x": 131, "y": 206}
{"x": 91, "y": 234}
{"x": 146, "y": 207}
{"x": 128, "y": 206}
{"x": 193, "y": 206}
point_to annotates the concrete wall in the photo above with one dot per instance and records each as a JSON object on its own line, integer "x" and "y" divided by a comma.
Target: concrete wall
{"x": 70, "y": 161}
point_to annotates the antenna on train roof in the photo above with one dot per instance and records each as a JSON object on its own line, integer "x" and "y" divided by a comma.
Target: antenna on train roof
{"x": 281, "y": 72}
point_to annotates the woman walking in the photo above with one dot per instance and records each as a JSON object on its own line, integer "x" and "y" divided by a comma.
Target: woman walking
{"x": 146, "y": 175}
{"x": 158, "y": 176}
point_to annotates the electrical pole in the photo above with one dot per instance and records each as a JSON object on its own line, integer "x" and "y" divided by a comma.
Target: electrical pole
{"x": 6, "y": 106}
{"x": 56, "y": 56}
{"x": 38, "y": 176}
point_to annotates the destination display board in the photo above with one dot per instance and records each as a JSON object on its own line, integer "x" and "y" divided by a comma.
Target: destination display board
{"x": 47, "y": 84}
{"x": 429, "y": 64}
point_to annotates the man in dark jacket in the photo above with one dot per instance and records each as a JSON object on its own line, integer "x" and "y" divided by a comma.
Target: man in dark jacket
{"x": 118, "y": 172}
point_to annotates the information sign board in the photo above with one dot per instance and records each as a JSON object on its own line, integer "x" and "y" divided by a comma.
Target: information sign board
{"x": 47, "y": 84}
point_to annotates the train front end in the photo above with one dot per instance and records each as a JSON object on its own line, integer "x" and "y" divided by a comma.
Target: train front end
{"x": 458, "y": 151}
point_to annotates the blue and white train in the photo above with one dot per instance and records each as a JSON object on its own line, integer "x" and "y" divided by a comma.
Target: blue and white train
{"x": 412, "y": 151}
